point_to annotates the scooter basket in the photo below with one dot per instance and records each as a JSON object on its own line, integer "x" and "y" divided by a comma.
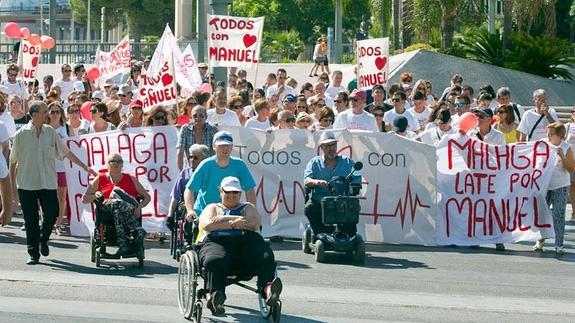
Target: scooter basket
{"x": 340, "y": 210}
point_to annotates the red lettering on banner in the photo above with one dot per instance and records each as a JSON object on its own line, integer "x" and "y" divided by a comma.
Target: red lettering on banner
{"x": 536, "y": 216}
{"x": 124, "y": 145}
{"x": 280, "y": 197}
{"x": 231, "y": 23}
{"x": 366, "y": 80}
{"x": 233, "y": 55}
{"x": 98, "y": 150}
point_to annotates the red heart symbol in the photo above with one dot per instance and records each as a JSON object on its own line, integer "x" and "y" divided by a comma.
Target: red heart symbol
{"x": 380, "y": 62}
{"x": 249, "y": 40}
{"x": 34, "y": 61}
{"x": 167, "y": 79}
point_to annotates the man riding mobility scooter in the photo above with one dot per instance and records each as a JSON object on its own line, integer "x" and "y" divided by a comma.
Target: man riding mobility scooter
{"x": 332, "y": 207}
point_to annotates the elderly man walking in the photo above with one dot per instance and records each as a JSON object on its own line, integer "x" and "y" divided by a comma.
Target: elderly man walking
{"x": 32, "y": 163}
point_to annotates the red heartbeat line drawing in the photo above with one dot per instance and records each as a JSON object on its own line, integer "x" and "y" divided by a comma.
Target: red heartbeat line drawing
{"x": 413, "y": 202}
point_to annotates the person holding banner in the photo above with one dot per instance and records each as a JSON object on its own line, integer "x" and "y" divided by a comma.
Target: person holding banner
{"x": 441, "y": 118}
{"x": 558, "y": 189}
{"x": 221, "y": 116}
{"x": 206, "y": 179}
{"x": 532, "y": 126}
{"x": 35, "y": 148}
{"x": 356, "y": 118}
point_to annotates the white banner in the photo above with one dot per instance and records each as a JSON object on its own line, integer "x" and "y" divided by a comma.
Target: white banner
{"x": 493, "y": 194}
{"x": 234, "y": 41}
{"x": 28, "y": 60}
{"x": 187, "y": 72}
{"x": 113, "y": 65}
{"x": 159, "y": 88}
{"x": 398, "y": 196}
{"x": 148, "y": 154}
{"x": 372, "y": 62}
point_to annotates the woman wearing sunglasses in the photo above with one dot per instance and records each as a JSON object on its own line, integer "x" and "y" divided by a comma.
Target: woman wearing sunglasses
{"x": 506, "y": 123}
{"x": 100, "y": 123}
{"x": 158, "y": 116}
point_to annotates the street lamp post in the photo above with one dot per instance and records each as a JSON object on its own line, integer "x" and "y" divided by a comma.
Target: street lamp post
{"x": 219, "y": 7}
{"x": 338, "y": 32}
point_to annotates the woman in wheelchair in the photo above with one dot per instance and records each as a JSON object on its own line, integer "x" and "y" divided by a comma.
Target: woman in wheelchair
{"x": 229, "y": 232}
{"x": 120, "y": 192}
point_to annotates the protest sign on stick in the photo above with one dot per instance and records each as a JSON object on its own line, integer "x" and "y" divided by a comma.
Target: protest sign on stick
{"x": 28, "y": 60}
{"x": 114, "y": 64}
{"x": 372, "y": 62}
{"x": 234, "y": 41}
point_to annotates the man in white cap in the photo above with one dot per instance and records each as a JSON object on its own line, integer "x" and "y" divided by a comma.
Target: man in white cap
{"x": 202, "y": 189}
{"x": 125, "y": 94}
{"x": 318, "y": 172}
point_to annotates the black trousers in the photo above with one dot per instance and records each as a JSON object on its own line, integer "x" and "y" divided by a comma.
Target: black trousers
{"x": 29, "y": 203}
{"x": 248, "y": 252}
{"x": 312, "y": 211}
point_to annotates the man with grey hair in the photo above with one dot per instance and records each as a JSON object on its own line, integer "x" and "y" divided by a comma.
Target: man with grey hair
{"x": 335, "y": 86}
{"x": 32, "y": 164}
{"x": 198, "y": 131}
{"x": 533, "y": 125}
{"x": 197, "y": 153}
{"x": 504, "y": 98}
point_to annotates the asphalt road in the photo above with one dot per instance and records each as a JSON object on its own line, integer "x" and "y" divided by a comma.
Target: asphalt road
{"x": 397, "y": 283}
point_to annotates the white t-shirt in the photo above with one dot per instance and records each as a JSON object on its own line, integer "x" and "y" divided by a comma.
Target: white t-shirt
{"x": 560, "y": 177}
{"x": 254, "y": 123}
{"x": 529, "y": 120}
{"x": 229, "y": 118}
{"x": 412, "y": 122}
{"x": 351, "y": 121}
{"x": 8, "y": 121}
{"x": 84, "y": 125}
{"x": 273, "y": 90}
{"x": 422, "y": 118}
{"x": 3, "y": 137}
{"x": 433, "y": 135}
{"x": 60, "y": 165}
{"x": 493, "y": 137}
{"x": 570, "y": 134}
{"x": 333, "y": 91}
{"x": 16, "y": 89}
{"x": 67, "y": 88}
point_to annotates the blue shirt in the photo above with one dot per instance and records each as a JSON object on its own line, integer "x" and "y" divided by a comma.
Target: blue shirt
{"x": 180, "y": 184}
{"x": 206, "y": 180}
{"x": 316, "y": 169}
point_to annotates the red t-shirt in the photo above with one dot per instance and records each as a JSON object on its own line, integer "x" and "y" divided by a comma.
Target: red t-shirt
{"x": 126, "y": 183}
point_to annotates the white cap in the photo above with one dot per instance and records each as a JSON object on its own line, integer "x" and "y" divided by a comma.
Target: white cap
{"x": 223, "y": 138}
{"x": 98, "y": 95}
{"x": 327, "y": 137}
{"x": 231, "y": 184}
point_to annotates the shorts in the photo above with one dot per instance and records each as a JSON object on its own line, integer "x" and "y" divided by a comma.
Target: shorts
{"x": 62, "y": 179}
{"x": 320, "y": 60}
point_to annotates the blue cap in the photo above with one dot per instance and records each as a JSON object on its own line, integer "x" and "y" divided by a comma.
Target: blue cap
{"x": 223, "y": 138}
{"x": 290, "y": 98}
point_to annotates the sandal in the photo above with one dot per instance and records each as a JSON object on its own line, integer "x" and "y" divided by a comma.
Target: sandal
{"x": 58, "y": 231}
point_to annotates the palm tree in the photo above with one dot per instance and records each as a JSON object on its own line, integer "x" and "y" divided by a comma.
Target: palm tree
{"x": 507, "y": 22}
{"x": 449, "y": 12}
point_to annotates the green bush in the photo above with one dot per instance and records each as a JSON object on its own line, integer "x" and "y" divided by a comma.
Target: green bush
{"x": 420, "y": 46}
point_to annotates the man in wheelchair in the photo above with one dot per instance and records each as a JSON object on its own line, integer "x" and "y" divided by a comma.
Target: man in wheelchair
{"x": 230, "y": 241}
{"x": 319, "y": 171}
{"x": 117, "y": 198}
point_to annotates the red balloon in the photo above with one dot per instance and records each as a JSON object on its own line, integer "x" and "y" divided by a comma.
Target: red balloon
{"x": 468, "y": 121}
{"x": 85, "y": 110}
{"x": 24, "y": 32}
{"x": 34, "y": 40}
{"x": 93, "y": 73}
{"x": 47, "y": 42}
{"x": 12, "y": 30}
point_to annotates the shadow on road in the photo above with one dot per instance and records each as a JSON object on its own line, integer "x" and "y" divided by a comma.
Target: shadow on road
{"x": 253, "y": 315}
{"x": 129, "y": 268}
{"x": 285, "y": 265}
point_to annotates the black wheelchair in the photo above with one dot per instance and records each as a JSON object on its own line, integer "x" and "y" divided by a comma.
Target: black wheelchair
{"x": 178, "y": 228}
{"x": 104, "y": 235}
{"x": 341, "y": 208}
{"x": 191, "y": 298}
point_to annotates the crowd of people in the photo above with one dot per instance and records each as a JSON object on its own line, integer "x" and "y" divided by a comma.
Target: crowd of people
{"x": 412, "y": 109}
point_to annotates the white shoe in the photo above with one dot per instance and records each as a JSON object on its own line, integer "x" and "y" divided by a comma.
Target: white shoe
{"x": 560, "y": 250}
{"x": 539, "y": 245}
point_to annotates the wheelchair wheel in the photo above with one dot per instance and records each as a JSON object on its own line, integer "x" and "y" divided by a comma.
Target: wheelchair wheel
{"x": 319, "y": 251}
{"x": 188, "y": 273}
{"x": 305, "y": 243}
{"x": 359, "y": 252}
{"x": 93, "y": 248}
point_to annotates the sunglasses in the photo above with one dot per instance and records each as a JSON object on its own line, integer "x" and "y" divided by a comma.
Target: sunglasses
{"x": 72, "y": 111}
{"x": 159, "y": 117}
{"x": 199, "y": 115}
{"x": 13, "y": 74}
{"x": 305, "y": 121}
{"x": 94, "y": 110}
{"x": 122, "y": 95}
{"x": 54, "y": 112}
{"x": 502, "y": 112}
{"x": 396, "y": 100}
{"x": 380, "y": 115}
{"x": 115, "y": 161}
{"x": 232, "y": 192}
{"x": 67, "y": 71}
{"x": 291, "y": 119}
{"x": 337, "y": 101}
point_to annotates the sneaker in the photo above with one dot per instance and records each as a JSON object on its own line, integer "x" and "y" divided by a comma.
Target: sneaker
{"x": 539, "y": 245}
{"x": 272, "y": 291}
{"x": 499, "y": 247}
{"x": 44, "y": 250}
{"x": 560, "y": 250}
{"x": 216, "y": 303}
{"x": 33, "y": 261}
{"x": 23, "y": 227}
